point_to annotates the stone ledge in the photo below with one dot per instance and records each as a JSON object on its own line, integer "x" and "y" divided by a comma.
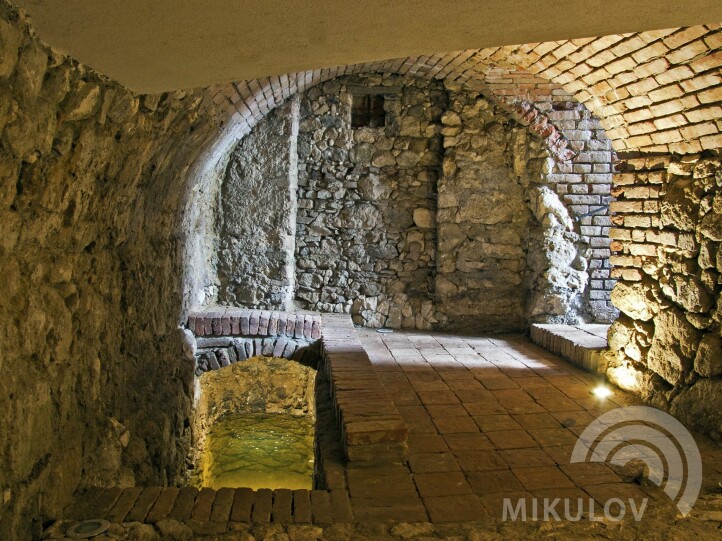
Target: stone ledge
{"x": 579, "y": 344}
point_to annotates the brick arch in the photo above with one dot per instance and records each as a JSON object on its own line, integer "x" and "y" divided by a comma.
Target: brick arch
{"x": 656, "y": 91}
{"x": 228, "y": 335}
{"x": 516, "y": 90}
{"x": 578, "y": 167}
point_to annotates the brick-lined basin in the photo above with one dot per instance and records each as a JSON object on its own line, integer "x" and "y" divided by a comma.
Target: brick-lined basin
{"x": 373, "y": 432}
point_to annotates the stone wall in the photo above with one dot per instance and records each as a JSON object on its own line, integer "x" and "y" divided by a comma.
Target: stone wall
{"x": 96, "y": 389}
{"x": 668, "y": 226}
{"x": 367, "y": 203}
{"x": 258, "y": 385}
{"x": 256, "y": 219}
{"x": 581, "y": 175}
{"x": 366, "y": 231}
{"x": 658, "y": 91}
{"x": 507, "y": 246}
{"x": 97, "y": 376}
{"x": 217, "y": 353}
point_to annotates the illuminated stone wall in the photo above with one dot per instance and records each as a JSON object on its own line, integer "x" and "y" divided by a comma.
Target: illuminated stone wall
{"x": 458, "y": 213}
{"x": 96, "y": 389}
{"x": 666, "y": 238}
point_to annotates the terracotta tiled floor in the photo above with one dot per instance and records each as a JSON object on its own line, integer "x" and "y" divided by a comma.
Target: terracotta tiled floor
{"x": 495, "y": 417}
{"x": 489, "y": 419}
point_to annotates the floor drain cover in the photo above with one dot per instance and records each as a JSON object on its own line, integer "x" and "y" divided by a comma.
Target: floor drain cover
{"x": 87, "y": 529}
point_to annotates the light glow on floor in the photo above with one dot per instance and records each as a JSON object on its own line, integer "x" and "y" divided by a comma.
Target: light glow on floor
{"x": 602, "y": 392}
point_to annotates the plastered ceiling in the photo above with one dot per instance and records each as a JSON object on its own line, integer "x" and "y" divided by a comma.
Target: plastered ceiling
{"x": 161, "y": 45}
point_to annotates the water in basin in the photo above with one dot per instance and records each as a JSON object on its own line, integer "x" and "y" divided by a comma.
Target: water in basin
{"x": 259, "y": 451}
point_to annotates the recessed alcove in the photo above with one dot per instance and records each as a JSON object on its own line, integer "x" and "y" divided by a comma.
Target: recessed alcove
{"x": 458, "y": 213}
{"x": 326, "y": 378}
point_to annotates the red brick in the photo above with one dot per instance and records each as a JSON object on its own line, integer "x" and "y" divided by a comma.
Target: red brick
{"x": 442, "y": 484}
{"x": 708, "y": 62}
{"x": 698, "y": 130}
{"x": 630, "y": 275}
{"x": 711, "y": 141}
{"x": 684, "y": 36}
{"x": 673, "y": 121}
{"x": 714, "y": 41}
{"x": 626, "y": 206}
{"x": 668, "y": 136}
{"x": 432, "y": 463}
{"x": 687, "y": 52}
{"x": 494, "y": 482}
{"x": 652, "y": 51}
{"x": 675, "y": 74}
{"x": 460, "y": 508}
{"x": 701, "y": 81}
{"x": 666, "y": 93}
{"x": 643, "y": 249}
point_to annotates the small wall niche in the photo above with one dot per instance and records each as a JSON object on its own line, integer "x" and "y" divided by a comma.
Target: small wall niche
{"x": 368, "y": 105}
{"x": 367, "y": 111}
{"x": 256, "y": 421}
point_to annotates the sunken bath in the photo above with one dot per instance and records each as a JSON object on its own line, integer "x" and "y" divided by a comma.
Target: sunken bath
{"x": 257, "y": 421}
{"x": 260, "y": 406}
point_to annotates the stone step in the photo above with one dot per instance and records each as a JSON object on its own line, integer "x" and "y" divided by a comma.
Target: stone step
{"x": 579, "y": 344}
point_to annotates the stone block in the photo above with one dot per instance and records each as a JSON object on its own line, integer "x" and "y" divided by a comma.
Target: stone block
{"x": 253, "y": 323}
{"x": 708, "y": 360}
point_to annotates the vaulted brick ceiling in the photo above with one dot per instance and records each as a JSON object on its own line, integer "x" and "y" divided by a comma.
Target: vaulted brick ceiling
{"x": 656, "y": 90}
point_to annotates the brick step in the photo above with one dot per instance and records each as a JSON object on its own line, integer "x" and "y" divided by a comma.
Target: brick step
{"x": 189, "y": 504}
{"x": 579, "y": 344}
{"x": 372, "y": 429}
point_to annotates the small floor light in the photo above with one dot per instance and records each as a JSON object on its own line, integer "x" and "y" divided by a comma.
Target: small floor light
{"x": 602, "y": 392}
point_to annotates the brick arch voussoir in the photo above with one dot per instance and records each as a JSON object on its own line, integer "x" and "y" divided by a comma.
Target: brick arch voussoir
{"x": 654, "y": 92}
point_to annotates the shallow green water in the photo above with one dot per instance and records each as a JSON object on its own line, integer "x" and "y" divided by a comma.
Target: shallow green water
{"x": 260, "y": 451}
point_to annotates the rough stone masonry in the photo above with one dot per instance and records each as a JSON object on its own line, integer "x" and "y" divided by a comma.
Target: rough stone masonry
{"x": 92, "y": 184}
{"x": 666, "y": 344}
{"x": 97, "y": 383}
{"x": 452, "y": 215}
